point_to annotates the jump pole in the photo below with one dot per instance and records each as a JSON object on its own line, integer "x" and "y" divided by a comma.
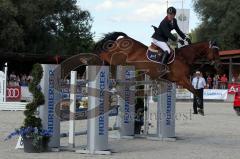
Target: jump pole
{"x": 73, "y": 90}
{"x": 146, "y": 107}
{"x": 5, "y": 82}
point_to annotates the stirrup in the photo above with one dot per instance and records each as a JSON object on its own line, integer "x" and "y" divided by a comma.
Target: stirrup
{"x": 166, "y": 68}
{"x": 164, "y": 71}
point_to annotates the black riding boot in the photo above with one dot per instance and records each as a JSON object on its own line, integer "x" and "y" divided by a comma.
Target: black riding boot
{"x": 165, "y": 58}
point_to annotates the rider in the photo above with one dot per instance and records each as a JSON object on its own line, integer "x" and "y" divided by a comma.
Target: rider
{"x": 163, "y": 33}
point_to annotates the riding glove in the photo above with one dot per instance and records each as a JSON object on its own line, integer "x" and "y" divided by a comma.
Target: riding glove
{"x": 181, "y": 41}
{"x": 188, "y": 40}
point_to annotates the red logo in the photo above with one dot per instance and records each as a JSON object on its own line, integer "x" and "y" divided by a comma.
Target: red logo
{"x": 233, "y": 88}
{"x": 13, "y": 93}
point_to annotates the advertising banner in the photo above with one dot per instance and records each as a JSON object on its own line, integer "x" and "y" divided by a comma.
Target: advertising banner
{"x": 211, "y": 94}
{"x": 216, "y": 94}
{"x": 183, "y": 94}
{"x": 13, "y": 93}
{"x": 182, "y": 17}
{"x": 233, "y": 88}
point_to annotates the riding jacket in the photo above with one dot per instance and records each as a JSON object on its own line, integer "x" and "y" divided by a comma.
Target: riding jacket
{"x": 163, "y": 32}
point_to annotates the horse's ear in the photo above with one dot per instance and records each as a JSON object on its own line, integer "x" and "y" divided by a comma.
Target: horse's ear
{"x": 213, "y": 43}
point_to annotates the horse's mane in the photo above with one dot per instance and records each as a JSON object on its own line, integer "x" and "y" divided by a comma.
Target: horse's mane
{"x": 197, "y": 43}
{"x": 113, "y": 36}
{"x": 179, "y": 50}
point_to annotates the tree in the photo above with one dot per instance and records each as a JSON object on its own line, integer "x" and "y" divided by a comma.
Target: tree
{"x": 43, "y": 26}
{"x": 219, "y": 21}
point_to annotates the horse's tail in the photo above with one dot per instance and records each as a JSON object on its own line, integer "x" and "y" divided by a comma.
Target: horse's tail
{"x": 107, "y": 38}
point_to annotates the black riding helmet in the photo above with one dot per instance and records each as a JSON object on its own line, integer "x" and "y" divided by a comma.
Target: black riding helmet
{"x": 171, "y": 10}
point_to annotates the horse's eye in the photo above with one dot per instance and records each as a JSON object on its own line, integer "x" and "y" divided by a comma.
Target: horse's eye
{"x": 110, "y": 45}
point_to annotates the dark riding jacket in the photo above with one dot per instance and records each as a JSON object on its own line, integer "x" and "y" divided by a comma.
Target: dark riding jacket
{"x": 163, "y": 32}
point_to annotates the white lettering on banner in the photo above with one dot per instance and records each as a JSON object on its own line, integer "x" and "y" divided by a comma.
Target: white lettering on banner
{"x": 233, "y": 90}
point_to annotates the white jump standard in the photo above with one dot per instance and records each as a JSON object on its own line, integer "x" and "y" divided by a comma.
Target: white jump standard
{"x": 98, "y": 106}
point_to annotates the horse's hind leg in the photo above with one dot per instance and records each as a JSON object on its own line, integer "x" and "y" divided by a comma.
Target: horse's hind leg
{"x": 187, "y": 84}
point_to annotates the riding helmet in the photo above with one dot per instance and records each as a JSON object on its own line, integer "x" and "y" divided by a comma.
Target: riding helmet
{"x": 171, "y": 10}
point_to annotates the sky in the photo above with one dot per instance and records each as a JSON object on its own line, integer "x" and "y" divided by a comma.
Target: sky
{"x": 133, "y": 17}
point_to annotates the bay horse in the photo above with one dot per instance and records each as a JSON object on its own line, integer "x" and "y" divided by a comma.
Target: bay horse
{"x": 117, "y": 48}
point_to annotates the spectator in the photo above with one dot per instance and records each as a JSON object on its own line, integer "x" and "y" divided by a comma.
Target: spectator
{"x": 23, "y": 81}
{"x": 233, "y": 79}
{"x": 13, "y": 77}
{"x": 224, "y": 81}
{"x": 215, "y": 82}
{"x": 29, "y": 78}
{"x": 19, "y": 80}
{"x": 209, "y": 82}
{"x": 238, "y": 78}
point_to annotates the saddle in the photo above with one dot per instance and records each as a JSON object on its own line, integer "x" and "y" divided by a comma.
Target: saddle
{"x": 154, "y": 54}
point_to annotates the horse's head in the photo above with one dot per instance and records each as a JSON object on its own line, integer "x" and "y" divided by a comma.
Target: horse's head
{"x": 201, "y": 51}
{"x": 213, "y": 54}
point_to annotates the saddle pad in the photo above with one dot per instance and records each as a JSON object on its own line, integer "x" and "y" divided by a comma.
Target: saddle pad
{"x": 156, "y": 57}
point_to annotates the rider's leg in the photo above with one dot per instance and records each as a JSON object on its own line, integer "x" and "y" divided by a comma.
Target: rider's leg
{"x": 165, "y": 48}
{"x": 165, "y": 57}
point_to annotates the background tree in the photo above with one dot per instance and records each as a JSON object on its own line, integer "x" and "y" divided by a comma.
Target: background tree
{"x": 219, "y": 21}
{"x": 44, "y": 26}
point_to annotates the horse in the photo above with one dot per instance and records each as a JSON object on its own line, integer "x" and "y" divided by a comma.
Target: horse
{"x": 117, "y": 48}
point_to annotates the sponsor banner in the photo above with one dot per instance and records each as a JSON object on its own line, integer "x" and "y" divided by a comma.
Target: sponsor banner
{"x": 25, "y": 94}
{"x": 233, "y": 88}
{"x": 13, "y": 93}
{"x": 183, "y": 94}
{"x": 183, "y": 19}
{"x": 211, "y": 94}
{"x": 218, "y": 94}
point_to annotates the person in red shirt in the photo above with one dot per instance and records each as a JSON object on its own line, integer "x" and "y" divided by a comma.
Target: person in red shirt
{"x": 224, "y": 81}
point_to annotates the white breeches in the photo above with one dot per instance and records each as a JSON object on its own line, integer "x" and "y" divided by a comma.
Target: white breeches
{"x": 162, "y": 45}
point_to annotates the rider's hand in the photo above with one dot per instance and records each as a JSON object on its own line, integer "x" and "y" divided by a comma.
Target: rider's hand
{"x": 181, "y": 41}
{"x": 188, "y": 40}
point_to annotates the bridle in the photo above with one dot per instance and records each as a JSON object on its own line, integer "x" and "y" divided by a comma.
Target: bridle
{"x": 211, "y": 46}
